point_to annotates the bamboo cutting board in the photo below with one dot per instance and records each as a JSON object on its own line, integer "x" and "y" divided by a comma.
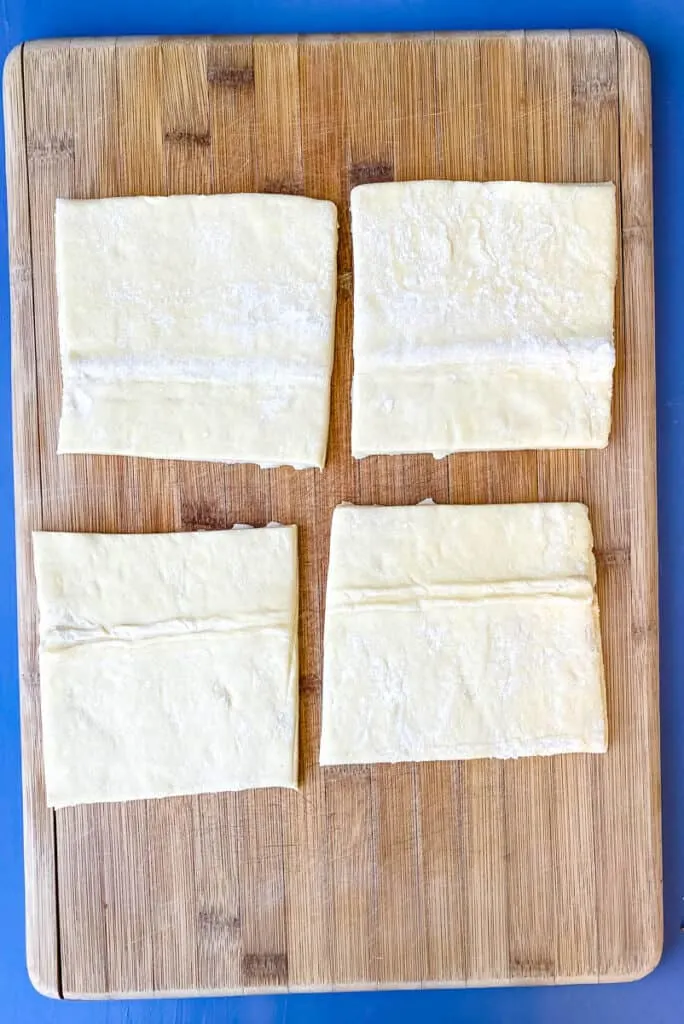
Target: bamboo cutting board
{"x": 541, "y": 870}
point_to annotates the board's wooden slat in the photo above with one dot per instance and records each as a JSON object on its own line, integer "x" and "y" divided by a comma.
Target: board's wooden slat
{"x": 523, "y": 785}
{"x": 149, "y": 503}
{"x": 634, "y": 92}
{"x": 178, "y": 858}
{"x": 48, "y": 86}
{"x": 344, "y": 795}
{"x": 409, "y": 875}
{"x": 550, "y": 158}
{"x": 120, "y": 923}
{"x": 465, "y": 155}
{"x": 195, "y": 148}
{"x": 417, "y": 153}
{"x": 305, "y": 821}
{"x": 42, "y": 943}
{"x": 596, "y": 156}
{"x": 397, "y": 944}
{"x": 264, "y": 901}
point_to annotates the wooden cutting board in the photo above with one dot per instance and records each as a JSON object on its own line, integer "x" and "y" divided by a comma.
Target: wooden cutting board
{"x": 541, "y": 870}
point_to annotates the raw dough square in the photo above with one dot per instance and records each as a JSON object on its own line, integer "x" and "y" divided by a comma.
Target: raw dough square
{"x": 168, "y": 662}
{"x": 460, "y": 632}
{"x": 197, "y": 327}
{"x": 483, "y": 316}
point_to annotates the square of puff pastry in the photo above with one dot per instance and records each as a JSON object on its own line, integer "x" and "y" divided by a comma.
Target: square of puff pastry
{"x": 197, "y": 327}
{"x": 456, "y": 632}
{"x": 483, "y": 316}
{"x": 168, "y": 663}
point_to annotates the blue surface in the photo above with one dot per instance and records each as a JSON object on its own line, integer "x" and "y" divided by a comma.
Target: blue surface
{"x": 658, "y": 998}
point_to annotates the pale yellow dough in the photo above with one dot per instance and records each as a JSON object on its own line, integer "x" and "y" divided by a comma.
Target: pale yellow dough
{"x": 168, "y": 663}
{"x": 197, "y": 327}
{"x": 483, "y": 316}
{"x": 461, "y": 632}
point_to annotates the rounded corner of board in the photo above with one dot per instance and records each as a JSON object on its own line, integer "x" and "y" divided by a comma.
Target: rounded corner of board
{"x": 651, "y": 960}
{"x": 46, "y": 985}
{"x": 628, "y": 41}
{"x": 12, "y": 66}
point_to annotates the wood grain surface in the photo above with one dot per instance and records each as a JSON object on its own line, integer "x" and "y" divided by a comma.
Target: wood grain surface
{"x": 541, "y": 870}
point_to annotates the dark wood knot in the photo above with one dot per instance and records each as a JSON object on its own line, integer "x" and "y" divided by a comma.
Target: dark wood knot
{"x": 181, "y": 137}
{"x": 283, "y": 188}
{"x": 231, "y": 78}
{"x": 264, "y": 969}
{"x": 370, "y": 172}
{"x": 201, "y": 516}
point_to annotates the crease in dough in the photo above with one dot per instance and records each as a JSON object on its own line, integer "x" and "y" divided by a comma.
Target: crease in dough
{"x": 454, "y": 632}
{"x": 63, "y": 636}
{"x": 197, "y": 327}
{"x": 419, "y": 595}
{"x": 483, "y": 316}
{"x": 168, "y": 663}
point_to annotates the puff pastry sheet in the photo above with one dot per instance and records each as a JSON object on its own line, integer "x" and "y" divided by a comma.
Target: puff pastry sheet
{"x": 483, "y": 316}
{"x": 461, "y": 632}
{"x": 197, "y": 327}
{"x": 168, "y": 663}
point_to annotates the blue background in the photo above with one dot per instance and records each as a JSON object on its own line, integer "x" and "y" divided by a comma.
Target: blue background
{"x": 658, "y": 998}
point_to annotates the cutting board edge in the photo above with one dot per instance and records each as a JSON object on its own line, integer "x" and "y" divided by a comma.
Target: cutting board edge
{"x": 637, "y": 242}
{"x": 531, "y": 981}
{"x": 40, "y": 867}
{"x": 57, "y": 42}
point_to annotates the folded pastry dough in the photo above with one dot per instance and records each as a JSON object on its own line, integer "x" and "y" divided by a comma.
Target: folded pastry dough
{"x": 483, "y": 316}
{"x": 197, "y": 327}
{"x": 168, "y": 662}
{"x": 461, "y": 632}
